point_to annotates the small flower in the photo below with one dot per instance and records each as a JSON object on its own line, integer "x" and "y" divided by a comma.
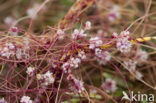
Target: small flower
{"x": 125, "y": 34}
{"x": 60, "y": 33}
{"x": 2, "y": 100}
{"x": 142, "y": 55}
{"x": 48, "y": 78}
{"x": 95, "y": 42}
{"x": 66, "y": 67}
{"x": 78, "y": 34}
{"x": 70, "y": 77}
{"x": 5, "y": 54}
{"x": 13, "y": 31}
{"x": 7, "y": 50}
{"x": 19, "y": 53}
{"x": 114, "y": 13}
{"x": 87, "y": 25}
{"x": 74, "y": 62}
{"x": 109, "y": 85}
{"x": 98, "y": 51}
{"x": 130, "y": 65}
{"x": 82, "y": 55}
{"x": 102, "y": 56}
{"x": 10, "y": 45}
{"x": 114, "y": 35}
{"x": 22, "y": 52}
{"x": 30, "y": 71}
{"x": 123, "y": 45}
{"x": 31, "y": 12}
{"x": 79, "y": 87}
{"x": 9, "y": 21}
{"x": 26, "y": 99}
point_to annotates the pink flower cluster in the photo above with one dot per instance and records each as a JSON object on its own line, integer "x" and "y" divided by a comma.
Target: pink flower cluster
{"x": 130, "y": 65}
{"x": 30, "y": 71}
{"x": 77, "y": 85}
{"x": 102, "y": 56}
{"x": 114, "y": 13}
{"x": 109, "y": 85}
{"x": 95, "y": 42}
{"x": 46, "y": 78}
{"x": 2, "y": 100}
{"x": 141, "y": 55}
{"x": 7, "y": 50}
{"x": 26, "y": 99}
{"x": 73, "y": 62}
{"x": 9, "y": 21}
{"x": 123, "y": 44}
{"x": 11, "y": 49}
{"x": 78, "y": 34}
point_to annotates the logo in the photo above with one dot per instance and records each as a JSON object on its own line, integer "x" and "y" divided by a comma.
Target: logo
{"x": 138, "y": 97}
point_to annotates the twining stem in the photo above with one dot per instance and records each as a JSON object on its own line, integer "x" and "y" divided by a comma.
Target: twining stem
{"x": 144, "y": 39}
{"x": 78, "y": 7}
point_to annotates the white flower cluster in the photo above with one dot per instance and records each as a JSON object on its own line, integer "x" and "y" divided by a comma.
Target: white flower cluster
{"x": 22, "y": 52}
{"x": 102, "y": 56}
{"x": 73, "y": 62}
{"x": 123, "y": 44}
{"x": 114, "y": 13}
{"x": 30, "y": 71}
{"x": 9, "y": 21}
{"x": 48, "y": 78}
{"x": 66, "y": 67}
{"x": 32, "y": 12}
{"x": 88, "y": 25}
{"x": 26, "y": 99}
{"x": 78, "y": 34}
{"x": 109, "y": 85}
{"x": 60, "y": 33}
{"x": 125, "y": 34}
{"x": 131, "y": 66}
{"x": 7, "y": 50}
{"x": 2, "y": 100}
{"x": 77, "y": 86}
{"x": 95, "y": 42}
{"x": 141, "y": 55}
{"x": 82, "y": 55}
